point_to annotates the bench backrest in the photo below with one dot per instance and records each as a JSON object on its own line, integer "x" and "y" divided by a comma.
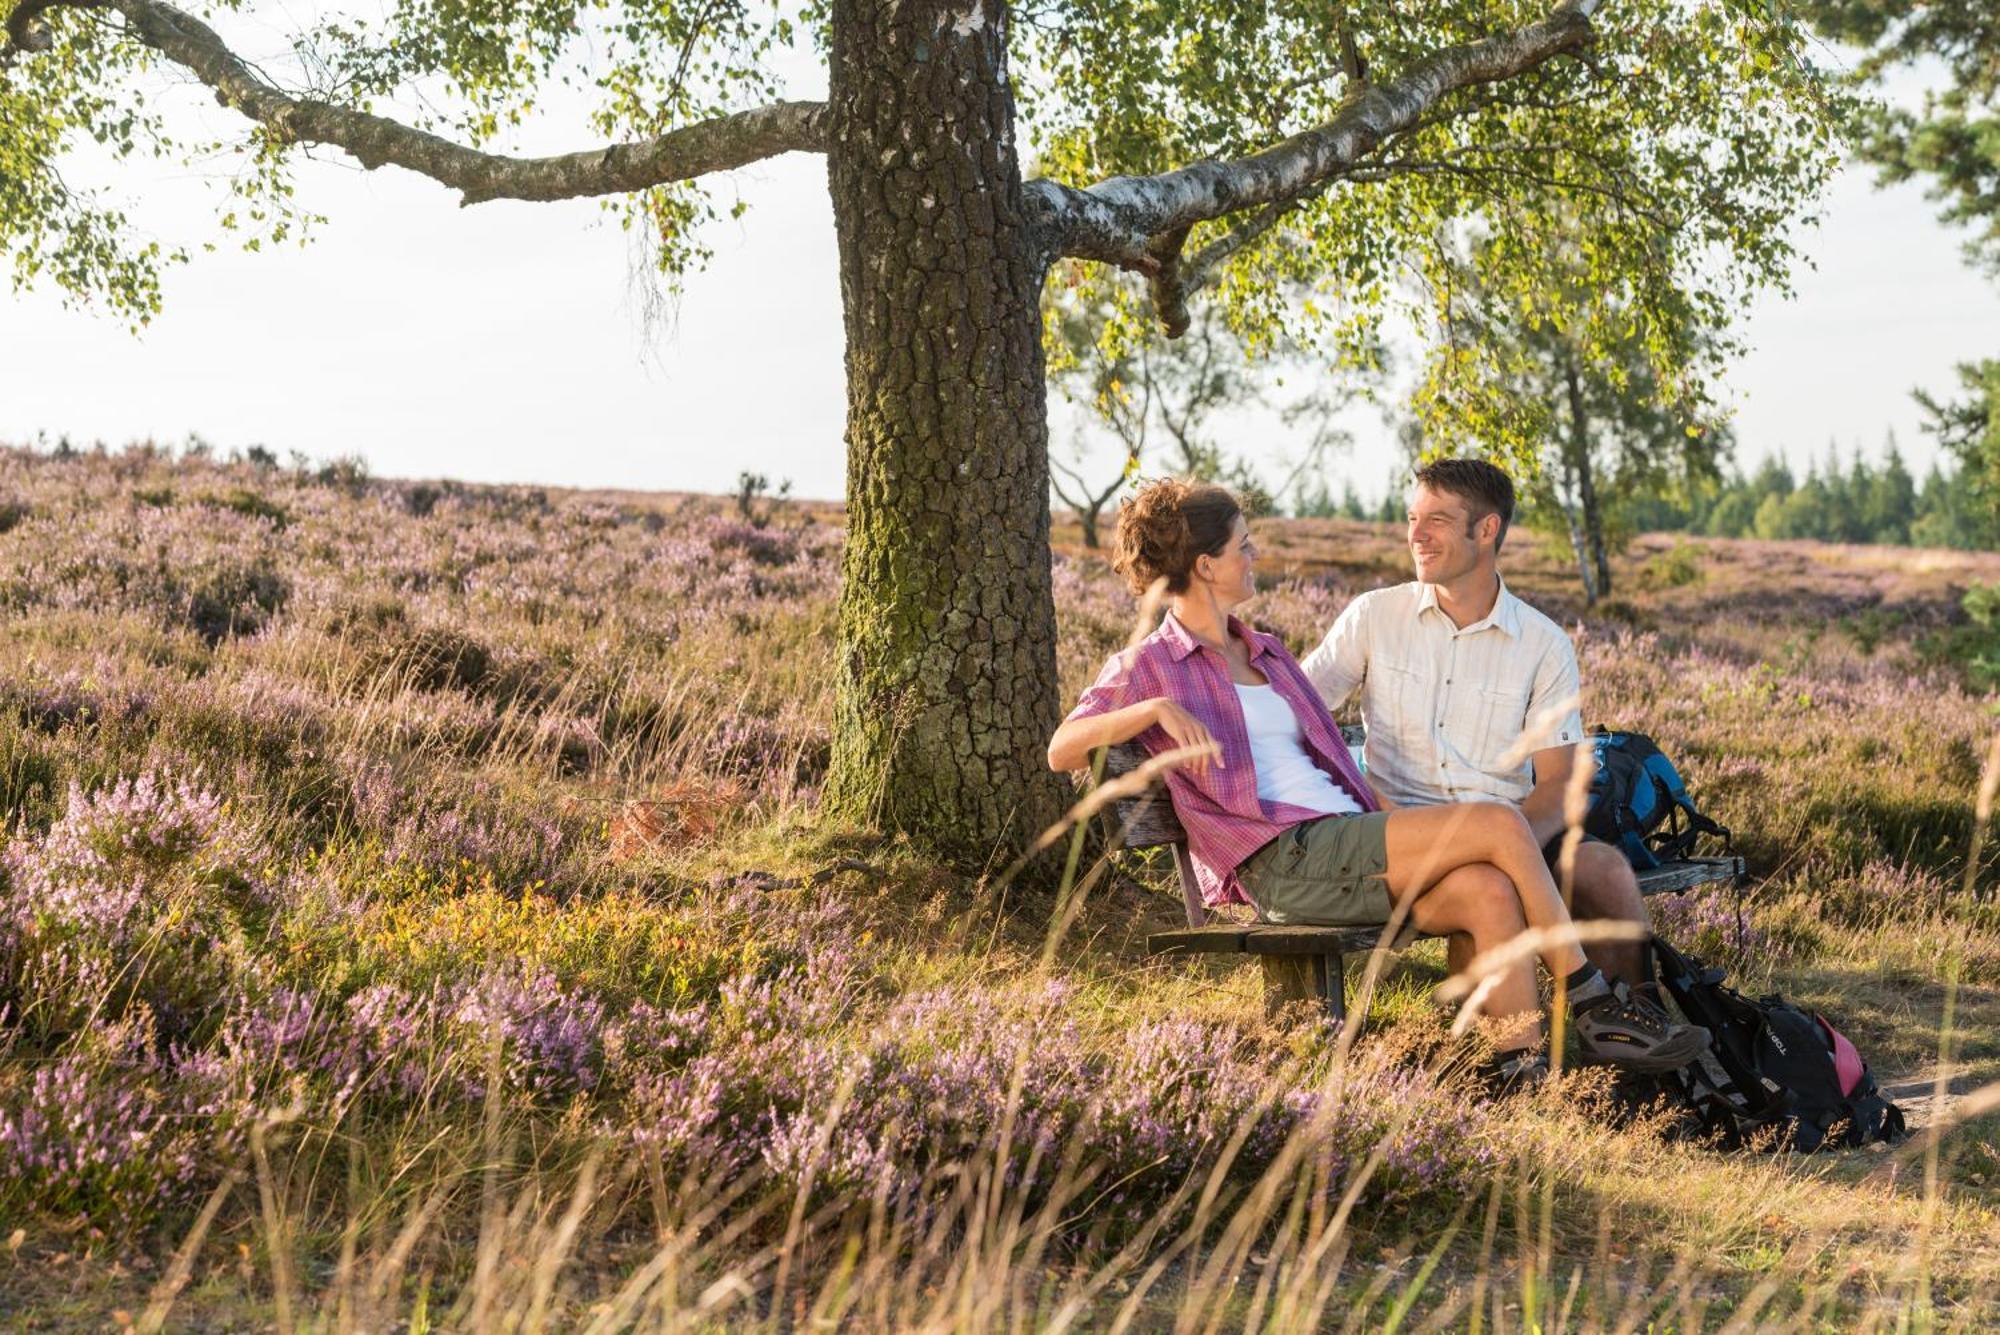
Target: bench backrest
{"x": 1147, "y": 819}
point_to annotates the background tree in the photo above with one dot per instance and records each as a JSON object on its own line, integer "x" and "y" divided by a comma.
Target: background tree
{"x": 1142, "y": 388}
{"x": 1571, "y": 391}
{"x": 1856, "y": 501}
{"x": 1113, "y": 383}
{"x": 1251, "y": 148}
{"x": 1969, "y": 428}
{"x": 1952, "y": 142}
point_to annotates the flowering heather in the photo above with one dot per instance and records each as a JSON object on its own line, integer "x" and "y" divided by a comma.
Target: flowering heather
{"x": 382, "y": 806}
{"x": 98, "y": 1127}
{"x": 1714, "y": 925}
{"x": 140, "y": 893}
{"x": 552, "y": 1040}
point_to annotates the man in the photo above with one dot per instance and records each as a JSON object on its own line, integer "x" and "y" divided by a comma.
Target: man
{"x": 1454, "y": 671}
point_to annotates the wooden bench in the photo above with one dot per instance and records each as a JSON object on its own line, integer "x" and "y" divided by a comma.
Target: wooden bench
{"x": 1300, "y": 963}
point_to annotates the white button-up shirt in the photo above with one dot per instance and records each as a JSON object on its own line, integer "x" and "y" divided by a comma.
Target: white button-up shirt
{"x": 1446, "y": 708}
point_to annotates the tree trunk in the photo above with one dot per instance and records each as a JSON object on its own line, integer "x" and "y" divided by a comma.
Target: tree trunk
{"x": 946, "y": 687}
{"x": 1088, "y": 518}
{"x": 1586, "y": 484}
{"x": 1577, "y": 545}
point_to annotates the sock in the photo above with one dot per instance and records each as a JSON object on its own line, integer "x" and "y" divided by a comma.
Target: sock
{"x": 1519, "y": 1069}
{"x": 1586, "y": 988}
{"x": 1510, "y": 1063}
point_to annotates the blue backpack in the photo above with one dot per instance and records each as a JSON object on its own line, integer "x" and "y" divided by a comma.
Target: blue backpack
{"x": 1639, "y": 804}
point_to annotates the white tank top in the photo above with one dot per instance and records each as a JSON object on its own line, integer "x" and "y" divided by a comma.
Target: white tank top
{"x": 1285, "y": 773}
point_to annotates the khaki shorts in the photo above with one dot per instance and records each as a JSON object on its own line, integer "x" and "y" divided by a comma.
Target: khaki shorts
{"x": 1326, "y": 872}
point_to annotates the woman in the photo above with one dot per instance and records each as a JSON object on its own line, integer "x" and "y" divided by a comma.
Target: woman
{"x": 1277, "y": 815}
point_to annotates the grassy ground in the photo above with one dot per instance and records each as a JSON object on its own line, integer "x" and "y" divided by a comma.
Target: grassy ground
{"x": 464, "y": 949}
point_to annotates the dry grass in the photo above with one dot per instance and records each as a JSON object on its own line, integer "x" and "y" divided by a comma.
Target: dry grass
{"x": 452, "y": 753}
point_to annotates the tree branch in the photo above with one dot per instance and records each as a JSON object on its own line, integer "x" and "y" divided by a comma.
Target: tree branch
{"x": 1169, "y": 288}
{"x": 26, "y": 31}
{"x": 1351, "y": 62}
{"x": 1115, "y": 220}
{"x": 720, "y": 144}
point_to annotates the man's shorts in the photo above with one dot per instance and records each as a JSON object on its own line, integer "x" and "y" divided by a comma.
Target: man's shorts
{"x": 1327, "y": 872}
{"x": 1552, "y": 850}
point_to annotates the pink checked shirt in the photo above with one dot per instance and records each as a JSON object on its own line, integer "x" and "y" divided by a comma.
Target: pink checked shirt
{"x": 1225, "y": 819}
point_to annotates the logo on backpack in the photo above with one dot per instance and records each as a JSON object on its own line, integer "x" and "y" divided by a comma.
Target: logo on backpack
{"x": 1639, "y": 804}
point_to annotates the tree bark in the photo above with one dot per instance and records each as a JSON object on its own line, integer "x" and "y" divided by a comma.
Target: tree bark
{"x": 1577, "y": 546}
{"x": 1586, "y": 484}
{"x": 945, "y": 693}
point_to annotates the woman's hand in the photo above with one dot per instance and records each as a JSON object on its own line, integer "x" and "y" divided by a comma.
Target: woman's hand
{"x": 1187, "y": 731}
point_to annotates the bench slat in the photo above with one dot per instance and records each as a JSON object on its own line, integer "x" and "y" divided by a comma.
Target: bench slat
{"x": 1263, "y": 939}
{"x": 1689, "y": 873}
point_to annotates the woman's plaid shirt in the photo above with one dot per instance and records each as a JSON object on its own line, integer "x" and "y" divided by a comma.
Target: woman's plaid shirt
{"x": 1224, "y": 818}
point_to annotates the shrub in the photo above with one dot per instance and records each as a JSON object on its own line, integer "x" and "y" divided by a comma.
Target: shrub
{"x": 230, "y": 598}
{"x": 1677, "y": 567}
{"x": 138, "y": 900}
{"x": 244, "y": 501}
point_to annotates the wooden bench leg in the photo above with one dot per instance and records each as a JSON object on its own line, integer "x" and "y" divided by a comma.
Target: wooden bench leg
{"x": 1315, "y": 978}
{"x": 1333, "y": 986}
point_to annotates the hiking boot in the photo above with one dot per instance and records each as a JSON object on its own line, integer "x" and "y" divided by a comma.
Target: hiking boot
{"x": 1631, "y": 1030}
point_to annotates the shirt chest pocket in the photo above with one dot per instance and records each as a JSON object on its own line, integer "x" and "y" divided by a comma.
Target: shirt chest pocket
{"x": 1499, "y": 717}
{"x": 1399, "y": 702}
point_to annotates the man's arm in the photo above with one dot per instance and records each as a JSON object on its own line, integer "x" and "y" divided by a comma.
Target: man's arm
{"x": 1340, "y": 662}
{"x": 1543, "y": 806}
{"x": 1556, "y": 727}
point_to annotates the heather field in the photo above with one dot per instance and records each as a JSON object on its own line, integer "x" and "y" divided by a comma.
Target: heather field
{"x": 415, "y": 914}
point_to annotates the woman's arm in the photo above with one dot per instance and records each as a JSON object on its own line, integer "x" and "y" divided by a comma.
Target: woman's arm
{"x": 1070, "y": 748}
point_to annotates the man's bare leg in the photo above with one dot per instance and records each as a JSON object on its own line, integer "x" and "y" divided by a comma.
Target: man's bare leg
{"x": 1425, "y": 844}
{"x": 1604, "y": 886}
{"x": 1477, "y": 905}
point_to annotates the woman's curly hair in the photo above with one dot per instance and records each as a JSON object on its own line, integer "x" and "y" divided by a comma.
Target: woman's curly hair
{"x": 1167, "y": 524}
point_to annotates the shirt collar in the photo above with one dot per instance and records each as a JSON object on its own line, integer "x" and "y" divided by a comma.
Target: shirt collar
{"x": 1182, "y": 641}
{"x": 1506, "y": 613}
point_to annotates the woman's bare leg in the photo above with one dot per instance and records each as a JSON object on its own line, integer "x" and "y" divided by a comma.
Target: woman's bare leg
{"x": 1426, "y": 844}
{"x": 1477, "y": 904}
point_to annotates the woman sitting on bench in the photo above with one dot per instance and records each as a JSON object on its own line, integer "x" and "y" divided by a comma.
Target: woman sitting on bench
{"x": 1278, "y": 816}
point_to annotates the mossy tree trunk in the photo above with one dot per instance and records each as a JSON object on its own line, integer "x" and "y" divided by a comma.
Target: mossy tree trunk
{"x": 946, "y": 691}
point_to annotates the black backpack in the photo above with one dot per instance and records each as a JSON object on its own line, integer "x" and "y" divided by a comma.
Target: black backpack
{"x": 1639, "y": 804}
{"x": 1784, "y": 1073}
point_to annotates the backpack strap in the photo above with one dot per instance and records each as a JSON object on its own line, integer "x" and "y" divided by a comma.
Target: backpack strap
{"x": 1687, "y": 823}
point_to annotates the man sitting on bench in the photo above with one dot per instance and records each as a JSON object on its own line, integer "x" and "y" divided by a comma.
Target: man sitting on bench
{"x": 1453, "y": 670}
{"x": 1277, "y": 815}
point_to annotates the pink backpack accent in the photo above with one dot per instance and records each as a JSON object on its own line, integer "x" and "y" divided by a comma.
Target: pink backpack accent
{"x": 1846, "y": 1061}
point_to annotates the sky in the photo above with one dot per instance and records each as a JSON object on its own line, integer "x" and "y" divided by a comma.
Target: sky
{"x": 506, "y": 342}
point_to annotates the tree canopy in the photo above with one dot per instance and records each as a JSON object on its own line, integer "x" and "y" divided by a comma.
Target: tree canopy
{"x": 1952, "y": 139}
{"x": 1265, "y": 148}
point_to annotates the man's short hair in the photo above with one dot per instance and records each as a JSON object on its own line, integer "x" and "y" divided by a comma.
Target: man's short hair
{"x": 1484, "y": 489}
